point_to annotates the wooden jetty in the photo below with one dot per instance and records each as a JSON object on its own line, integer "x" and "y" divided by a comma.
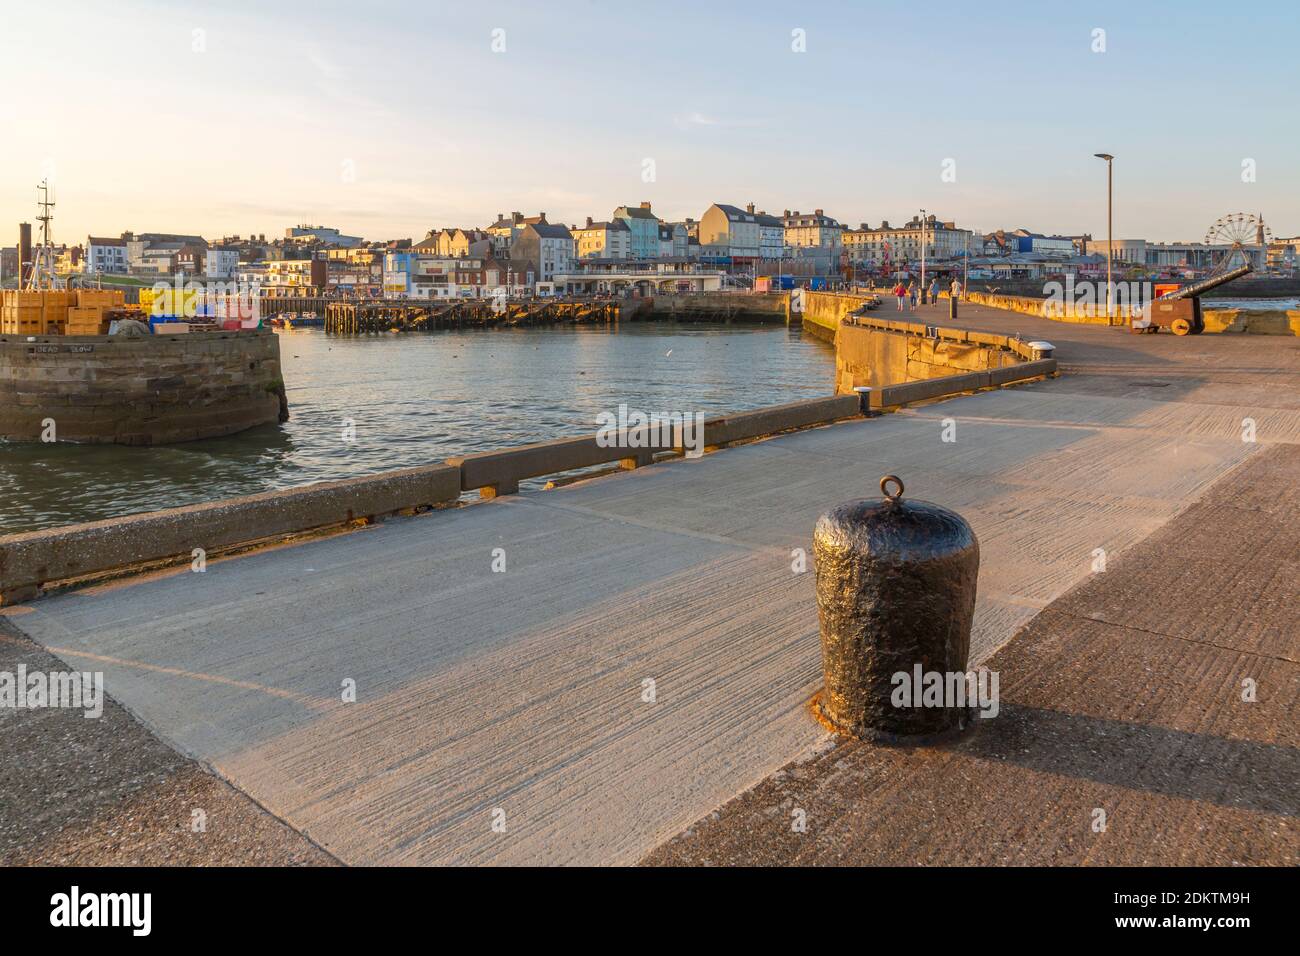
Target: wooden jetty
{"x": 391, "y": 315}
{"x": 271, "y": 305}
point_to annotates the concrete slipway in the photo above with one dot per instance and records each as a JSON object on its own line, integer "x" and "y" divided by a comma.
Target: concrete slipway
{"x": 523, "y": 691}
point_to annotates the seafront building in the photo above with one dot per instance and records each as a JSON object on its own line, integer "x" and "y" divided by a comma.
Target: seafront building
{"x": 502, "y": 233}
{"x": 814, "y": 230}
{"x": 888, "y": 244}
{"x": 674, "y": 241}
{"x": 456, "y": 242}
{"x": 219, "y": 263}
{"x": 409, "y": 274}
{"x": 106, "y": 256}
{"x": 634, "y": 252}
{"x": 638, "y": 277}
{"x": 611, "y": 239}
{"x": 644, "y": 227}
{"x": 730, "y": 236}
{"x": 548, "y": 245}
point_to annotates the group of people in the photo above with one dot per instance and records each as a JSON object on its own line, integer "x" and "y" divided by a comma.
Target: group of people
{"x": 910, "y": 293}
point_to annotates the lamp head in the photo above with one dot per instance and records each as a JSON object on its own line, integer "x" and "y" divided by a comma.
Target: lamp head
{"x": 1106, "y": 156}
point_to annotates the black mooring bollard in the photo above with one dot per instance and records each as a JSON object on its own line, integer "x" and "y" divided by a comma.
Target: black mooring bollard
{"x": 952, "y": 307}
{"x": 895, "y": 596}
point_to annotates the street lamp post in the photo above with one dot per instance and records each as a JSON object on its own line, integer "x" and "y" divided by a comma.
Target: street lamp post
{"x": 965, "y": 266}
{"x": 1110, "y": 232}
{"x": 922, "y": 256}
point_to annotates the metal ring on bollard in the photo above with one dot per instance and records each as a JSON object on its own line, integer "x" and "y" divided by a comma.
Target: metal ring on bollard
{"x": 884, "y": 490}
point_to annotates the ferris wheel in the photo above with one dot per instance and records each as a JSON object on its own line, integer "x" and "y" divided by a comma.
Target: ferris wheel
{"x": 1239, "y": 229}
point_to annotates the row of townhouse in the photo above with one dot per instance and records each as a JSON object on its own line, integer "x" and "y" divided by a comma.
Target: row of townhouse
{"x": 897, "y": 244}
{"x": 724, "y": 235}
{"x": 613, "y": 239}
{"x": 631, "y": 232}
{"x": 415, "y": 275}
{"x": 419, "y": 275}
{"x": 456, "y": 242}
{"x": 158, "y": 254}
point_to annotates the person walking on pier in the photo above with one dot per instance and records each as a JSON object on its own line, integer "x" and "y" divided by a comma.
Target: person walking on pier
{"x": 913, "y": 293}
{"x": 901, "y": 291}
{"x": 934, "y": 291}
{"x": 955, "y": 289}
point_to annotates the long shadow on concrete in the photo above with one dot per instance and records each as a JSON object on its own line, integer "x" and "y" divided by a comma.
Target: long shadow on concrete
{"x": 1243, "y": 774}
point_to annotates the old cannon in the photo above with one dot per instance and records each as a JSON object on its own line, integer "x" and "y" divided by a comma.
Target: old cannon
{"x": 1180, "y": 311}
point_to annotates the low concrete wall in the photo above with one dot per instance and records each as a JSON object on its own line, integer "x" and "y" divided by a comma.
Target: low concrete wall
{"x": 875, "y": 352}
{"x": 1253, "y": 286}
{"x": 874, "y": 356}
{"x": 152, "y": 390}
{"x": 33, "y": 558}
{"x": 719, "y": 432}
{"x": 1253, "y": 321}
{"x": 893, "y": 396}
{"x": 1091, "y": 314}
{"x": 499, "y": 472}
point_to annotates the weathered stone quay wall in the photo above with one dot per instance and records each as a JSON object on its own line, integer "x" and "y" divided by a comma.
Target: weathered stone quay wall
{"x": 877, "y": 357}
{"x": 717, "y": 307}
{"x": 823, "y": 312}
{"x": 875, "y": 351}
{"x": 151, "y": 390}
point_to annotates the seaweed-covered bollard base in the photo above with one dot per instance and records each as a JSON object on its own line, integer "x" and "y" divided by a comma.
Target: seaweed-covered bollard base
{"x": 895, "y": 597}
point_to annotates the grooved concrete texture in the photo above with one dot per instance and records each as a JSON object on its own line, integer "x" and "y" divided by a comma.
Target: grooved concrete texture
{"x": 1124, "y": 697}
{"x": 106, "y": 792}
{"x": 524, "y": 691}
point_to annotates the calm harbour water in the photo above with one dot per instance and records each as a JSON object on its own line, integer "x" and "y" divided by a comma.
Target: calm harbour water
{"x": 417, "y": 399}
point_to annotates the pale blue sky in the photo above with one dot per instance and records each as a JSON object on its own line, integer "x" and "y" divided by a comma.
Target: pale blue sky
{"x": 258, "y": 129}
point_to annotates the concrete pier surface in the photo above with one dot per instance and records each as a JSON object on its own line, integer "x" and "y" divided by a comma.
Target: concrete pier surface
{"x": 1123, "y": 736}
{"x": 648, "y": 653}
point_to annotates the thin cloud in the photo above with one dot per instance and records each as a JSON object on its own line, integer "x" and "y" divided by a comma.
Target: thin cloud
{"x": 695, "y": 119}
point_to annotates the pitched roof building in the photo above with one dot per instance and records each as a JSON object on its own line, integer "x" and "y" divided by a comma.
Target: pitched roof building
{"x": 549, "y": 246}
{"x": 644, "y": 225}
{"x": 602, "y": 240}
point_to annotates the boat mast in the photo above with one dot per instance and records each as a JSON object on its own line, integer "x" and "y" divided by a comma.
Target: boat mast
{"x": 43, "y": 264}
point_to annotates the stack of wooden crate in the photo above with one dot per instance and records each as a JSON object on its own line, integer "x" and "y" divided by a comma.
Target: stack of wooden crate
{"x": 92, "y": 313}
{"x": 54, "y": 311}
{"x": 21, "y": 312}
{"x": 59, "y": 311}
